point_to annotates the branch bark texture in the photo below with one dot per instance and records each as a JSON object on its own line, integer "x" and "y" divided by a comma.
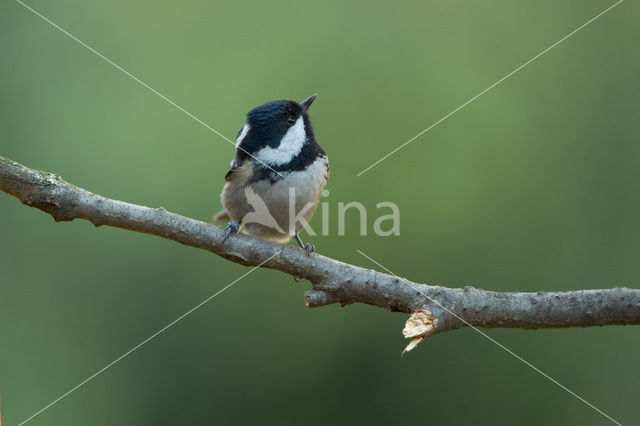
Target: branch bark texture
{"x": 442, "y": 308}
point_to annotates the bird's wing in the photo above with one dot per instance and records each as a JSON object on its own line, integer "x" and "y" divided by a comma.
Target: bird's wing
{"x": 233, "y": 167}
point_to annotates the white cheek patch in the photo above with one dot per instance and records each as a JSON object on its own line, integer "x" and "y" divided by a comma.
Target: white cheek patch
{"x": 242, "y": 134}
{"x": 290, "y": 146}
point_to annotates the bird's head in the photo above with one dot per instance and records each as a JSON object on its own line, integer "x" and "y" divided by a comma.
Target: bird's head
{"x": 276, "y": 132}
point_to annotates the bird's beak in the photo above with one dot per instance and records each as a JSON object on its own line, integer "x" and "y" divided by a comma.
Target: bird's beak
{"x": 307, "y": 102}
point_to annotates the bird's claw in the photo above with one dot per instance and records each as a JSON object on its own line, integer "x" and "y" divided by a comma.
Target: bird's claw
{"x": 232, "y": 228}
{"x": 309, "y": 248}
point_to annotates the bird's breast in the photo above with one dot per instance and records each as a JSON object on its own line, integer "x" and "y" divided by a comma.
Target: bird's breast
{"x": 296, "y": 192}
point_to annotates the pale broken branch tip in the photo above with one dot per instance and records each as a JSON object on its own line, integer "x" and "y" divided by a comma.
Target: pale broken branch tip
{"x": 420, "y": 324}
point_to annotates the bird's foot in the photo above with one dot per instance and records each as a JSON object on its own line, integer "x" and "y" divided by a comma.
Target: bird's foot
{"x": 309, "y": 248}
{"x": 232, "y": 228}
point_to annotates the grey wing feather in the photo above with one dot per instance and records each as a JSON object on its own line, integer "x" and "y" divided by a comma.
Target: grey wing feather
{"x": 223, "y": 215}
{"x": 235, "y": 164}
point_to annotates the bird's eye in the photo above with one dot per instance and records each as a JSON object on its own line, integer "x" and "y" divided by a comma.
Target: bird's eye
{"x": 291, "y": 120}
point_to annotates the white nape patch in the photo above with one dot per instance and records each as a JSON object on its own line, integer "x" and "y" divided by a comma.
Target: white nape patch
{"x": 290, "y": 146}
{"x": 242, "y": 134}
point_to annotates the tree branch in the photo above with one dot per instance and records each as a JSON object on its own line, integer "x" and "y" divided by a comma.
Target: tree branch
{"x": 434, "y": 309}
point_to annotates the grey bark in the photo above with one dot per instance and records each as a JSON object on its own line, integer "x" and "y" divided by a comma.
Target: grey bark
{"x": 333, "y": 281}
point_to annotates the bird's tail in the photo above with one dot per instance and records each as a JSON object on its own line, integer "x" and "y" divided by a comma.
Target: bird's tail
{"x": 222, "y": 216}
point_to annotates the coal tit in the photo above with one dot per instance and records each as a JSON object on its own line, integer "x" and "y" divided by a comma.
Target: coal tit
{"x": 274, "y": 182}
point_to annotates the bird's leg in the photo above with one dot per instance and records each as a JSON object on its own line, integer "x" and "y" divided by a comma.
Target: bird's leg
{"x": 309, "y": 248}
{"x": 232, "y": 228}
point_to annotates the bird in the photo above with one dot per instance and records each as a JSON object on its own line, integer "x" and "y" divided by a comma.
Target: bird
{"x": 276, "y": 178}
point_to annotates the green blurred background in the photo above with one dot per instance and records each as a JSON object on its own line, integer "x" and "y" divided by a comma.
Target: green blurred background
{"x": 534, "y": 186}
